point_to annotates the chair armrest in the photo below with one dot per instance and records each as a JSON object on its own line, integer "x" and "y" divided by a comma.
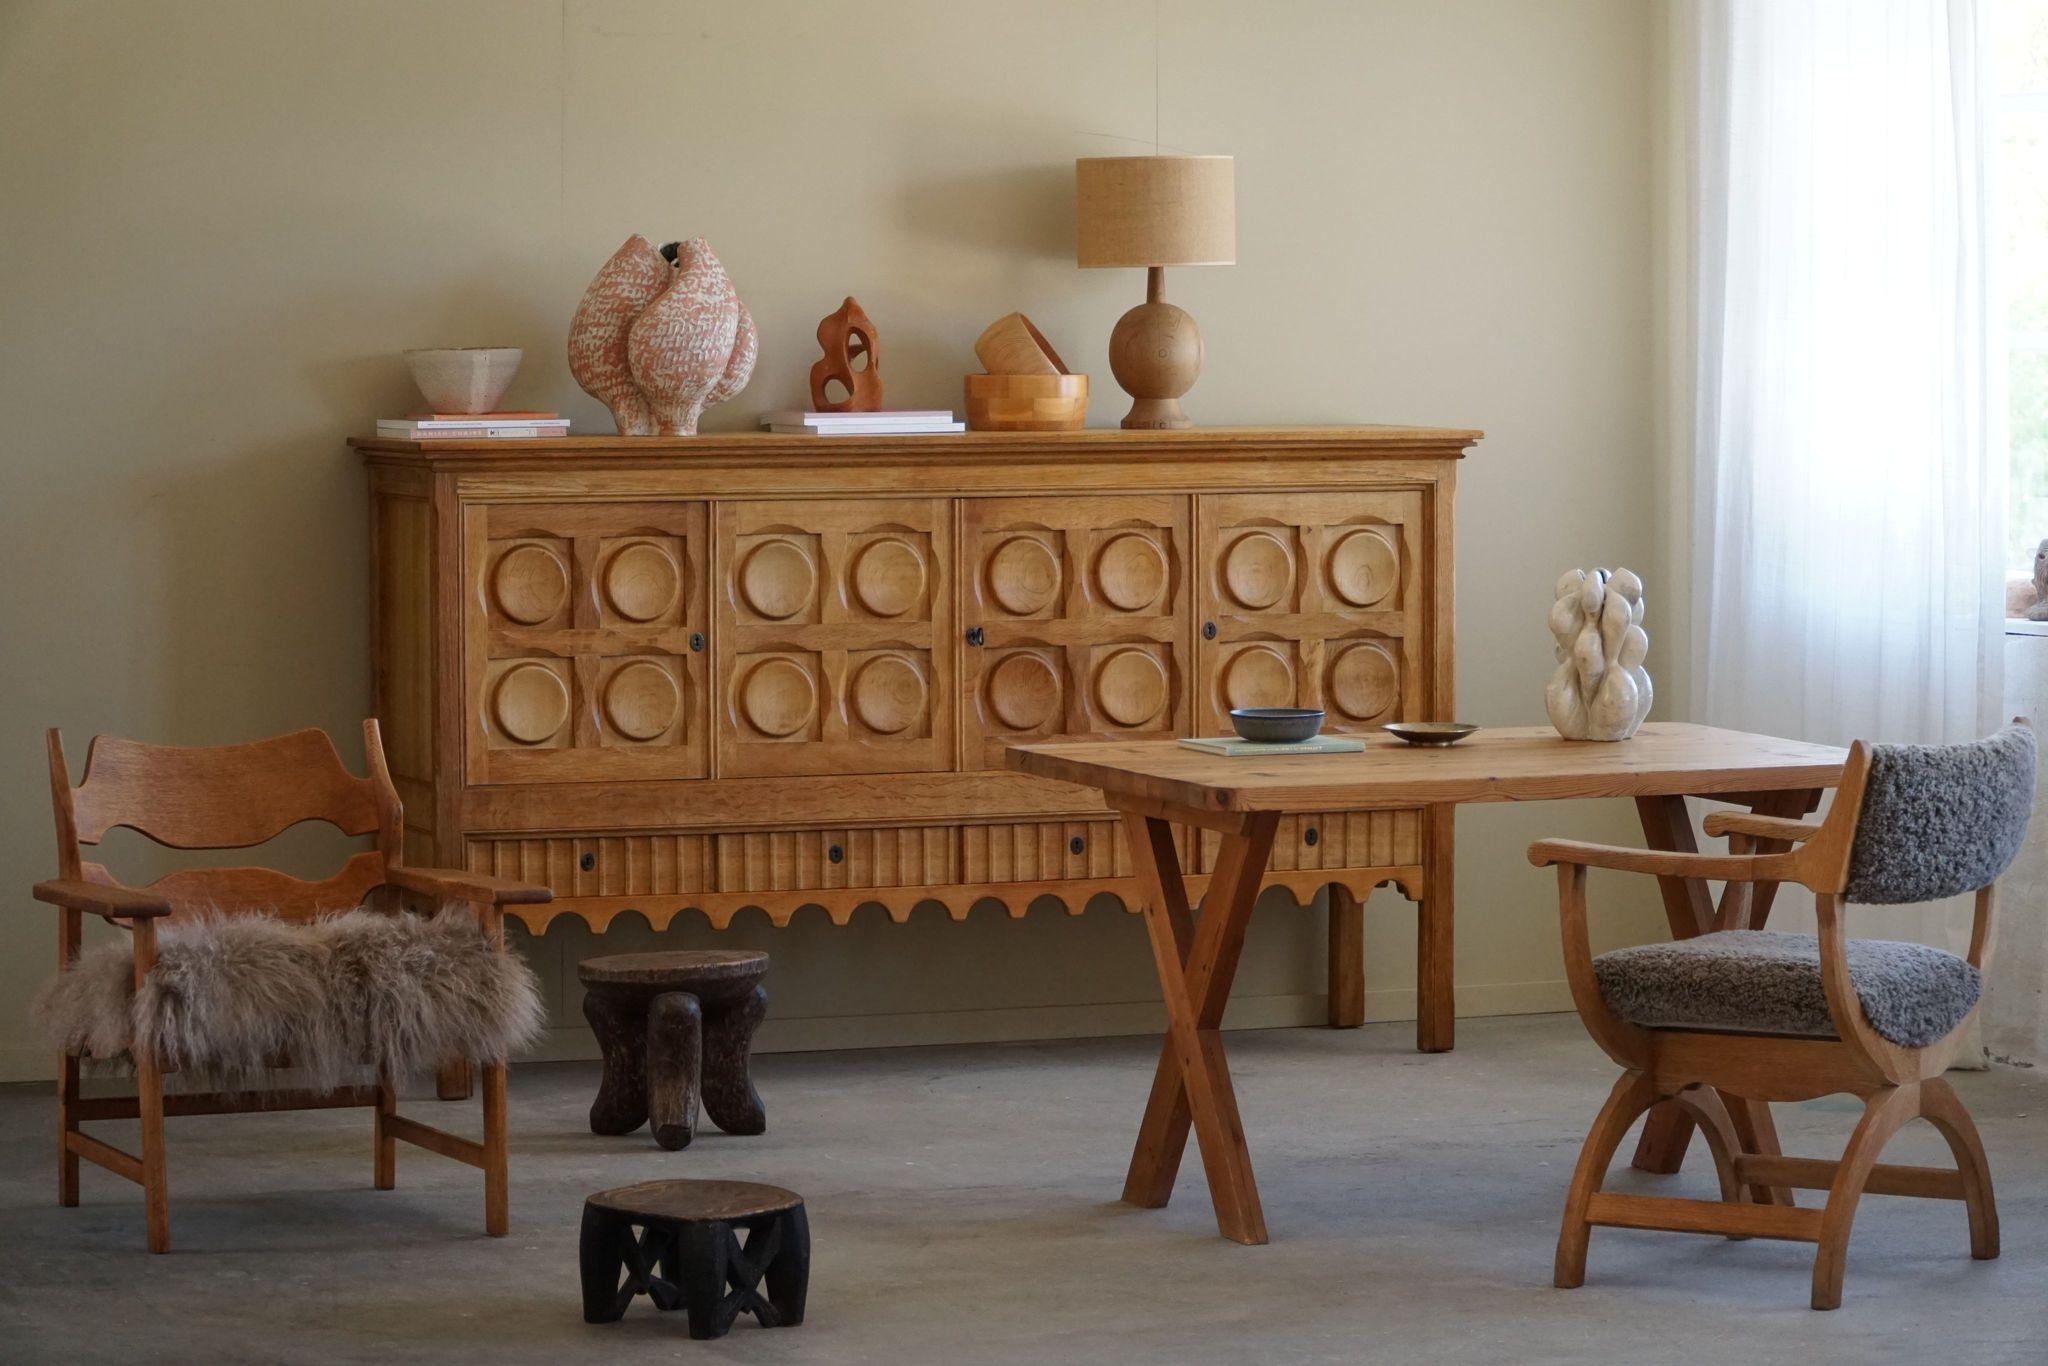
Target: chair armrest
{"x": 115, "y": 903}
{"x": 1723, "y": 867}
{"x": 1719, "y": 823}
{"x": 454, "y": 884}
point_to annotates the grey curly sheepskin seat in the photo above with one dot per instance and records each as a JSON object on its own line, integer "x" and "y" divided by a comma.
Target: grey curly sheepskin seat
{"x": 233, "y": 996}
{"x": 1763, "y": 982}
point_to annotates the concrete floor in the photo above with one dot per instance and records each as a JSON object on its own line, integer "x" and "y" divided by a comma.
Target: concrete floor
{"x": 963, "y": 1204}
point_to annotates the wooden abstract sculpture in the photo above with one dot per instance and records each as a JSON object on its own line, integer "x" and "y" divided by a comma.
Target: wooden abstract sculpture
{"x": 661, "y": 335}
{"x": 1600, "y": 690}
{"x": 847, "y": 336}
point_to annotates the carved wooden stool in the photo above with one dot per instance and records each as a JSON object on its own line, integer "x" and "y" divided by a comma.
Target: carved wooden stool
{"x": 687, "y": 1253}
{"x": 670, "y": 1023}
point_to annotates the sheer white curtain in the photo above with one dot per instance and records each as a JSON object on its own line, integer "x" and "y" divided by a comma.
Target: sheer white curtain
{"x": 1848, "y": 510}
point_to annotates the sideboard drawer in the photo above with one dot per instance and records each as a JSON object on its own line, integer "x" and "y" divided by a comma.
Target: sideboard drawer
{"x": 1050, "y": 851}
{"x": 1338, "y": 839}
{"x": 600, "y": 865}
{"x": 800, "y": 860}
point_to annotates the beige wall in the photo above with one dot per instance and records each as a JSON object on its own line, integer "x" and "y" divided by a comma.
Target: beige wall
{"x": 219, "y": 223}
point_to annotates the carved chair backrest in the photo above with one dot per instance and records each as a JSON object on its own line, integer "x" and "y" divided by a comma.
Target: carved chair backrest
{"x": 1916, "y": 823}
{"x": 230, "y": 797}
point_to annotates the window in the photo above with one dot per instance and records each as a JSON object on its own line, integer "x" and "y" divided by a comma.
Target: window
{"x": 2018, "y": 73}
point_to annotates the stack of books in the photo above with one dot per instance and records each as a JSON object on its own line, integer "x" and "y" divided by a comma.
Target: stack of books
{"x": 904, "y": 422}
{"x": 473, "y": 426}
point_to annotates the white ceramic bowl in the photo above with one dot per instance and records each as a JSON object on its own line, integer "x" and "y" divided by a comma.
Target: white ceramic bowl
{"x": 464, "y": 379}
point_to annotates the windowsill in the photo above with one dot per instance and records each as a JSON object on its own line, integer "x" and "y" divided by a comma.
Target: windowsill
{"x": 2020, "y": 626}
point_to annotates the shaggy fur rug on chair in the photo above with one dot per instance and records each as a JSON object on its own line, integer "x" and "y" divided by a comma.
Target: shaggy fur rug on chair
{"x": 233, "y": 997}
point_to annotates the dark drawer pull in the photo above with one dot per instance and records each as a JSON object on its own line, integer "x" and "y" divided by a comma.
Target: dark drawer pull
{"x": 587, "y": 862}
{"x": 835, "y": 854}
{"x": 1309, "y": 837}
{"x": 696, "y": 642}
{"x": 1208, "y": 630}
{"x": 975, "y": 635}
{"x": 1077, "y": 845}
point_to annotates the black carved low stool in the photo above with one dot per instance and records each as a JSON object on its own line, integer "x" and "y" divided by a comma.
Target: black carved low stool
{"x": 671, "y": 1024}
{"x": 686, "y": 1253}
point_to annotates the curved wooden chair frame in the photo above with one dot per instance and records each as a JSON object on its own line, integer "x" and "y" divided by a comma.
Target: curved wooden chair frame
{"x": 233, "y": 797}
{"x": 1693, "y": 1070}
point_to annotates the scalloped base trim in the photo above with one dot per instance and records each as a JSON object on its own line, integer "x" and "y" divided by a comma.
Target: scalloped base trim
{"x": 1016, "y": 898}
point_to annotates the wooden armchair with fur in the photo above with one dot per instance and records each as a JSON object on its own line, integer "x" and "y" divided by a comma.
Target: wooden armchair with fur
{"x": 253, "y": 969}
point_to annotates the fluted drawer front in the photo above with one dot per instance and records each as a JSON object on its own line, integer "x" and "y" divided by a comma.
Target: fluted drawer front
{"x": 1338, "y": 839}
{"x": 600, "y": 865}
{"x": 884, "y": 856}
{"x": 1037, "y": 851}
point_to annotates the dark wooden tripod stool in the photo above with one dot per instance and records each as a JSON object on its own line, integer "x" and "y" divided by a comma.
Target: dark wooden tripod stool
{"x": 672, "y": 1025}
{"x": 687, "y": 1253}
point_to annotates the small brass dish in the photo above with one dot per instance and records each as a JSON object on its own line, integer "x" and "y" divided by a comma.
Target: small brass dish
{"x": 1429, "y": 732}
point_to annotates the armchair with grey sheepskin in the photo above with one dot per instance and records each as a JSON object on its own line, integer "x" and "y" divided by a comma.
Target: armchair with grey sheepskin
{"x": 232, "y": 974}
{"x": 1723, "y": 1023}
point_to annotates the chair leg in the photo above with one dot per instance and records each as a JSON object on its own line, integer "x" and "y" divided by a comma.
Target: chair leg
{"x": 67, "y": 1161}
{"x": 1633, "y": 1093}
{"x": 383, "y": 1146}
{"x": 1883, "y": 1114}
{"x": 1708, "y": 1112}
{"x": 1943, "y": 1108}
{"x": 497, "y": 1218}
{"x": 149, "y": 1099}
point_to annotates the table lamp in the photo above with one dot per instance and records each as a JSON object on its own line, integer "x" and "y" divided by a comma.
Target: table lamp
{"x": 1155, "y": 212}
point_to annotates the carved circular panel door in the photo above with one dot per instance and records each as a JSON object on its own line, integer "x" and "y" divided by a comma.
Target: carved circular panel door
{"x": 641, "y": 582}
{"x": 778, "y": 697}
{"x": 1363, "y": 568}
{"x": 887, "y": 694}
{"x": 1364, "y": 682}
{"x": 888, "y": 577}
{"x": 530, "y": 584}
{"x": 641, "y": 700}
{"x": 1022, "y": 693}
{"x": 1257, "y": 569}
{"x": 777, "y": 580}
{"x": 1023, "y": 576}
{"x": 530, "y": 703}
{"x": 1131, "y": 688}
{"x": 1130, "y": 572}
{"x": 1258, "y": 676}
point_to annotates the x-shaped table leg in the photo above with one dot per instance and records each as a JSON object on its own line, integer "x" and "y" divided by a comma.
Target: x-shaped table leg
{"x": 1196, "y": 962}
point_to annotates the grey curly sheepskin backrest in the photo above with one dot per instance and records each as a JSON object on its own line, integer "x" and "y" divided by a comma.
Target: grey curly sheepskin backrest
{"x": 1939, "y": 820}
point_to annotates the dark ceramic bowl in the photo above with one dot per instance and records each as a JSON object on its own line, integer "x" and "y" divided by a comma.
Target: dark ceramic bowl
{"x": 1277, "y": 725}
{"x": 1430, "y": 732}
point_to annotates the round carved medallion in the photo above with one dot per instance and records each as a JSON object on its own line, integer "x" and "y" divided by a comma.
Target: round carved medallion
{"x": 640, "y": 581}
{"x": 778, "y": 697}
{"x": 777, "y": 580}
{"x": 887, "y": 694}
{"x": 1130, "y": 687}
{"x": 1364, "y": 682}
{"x": 1258, "y": 676}
{"x": 1023, "y": 576}
{"x": 529, "y": 584}
{"x": 888, "y": 577}
{"x": 1023, "y": 693}
{"x": 529, "y": 703}
{"x": 1363, "y": 568}
{"x": 1256, "y": 570}
{"x": 1130, "y": 573}
{"x": 641, "y": 700}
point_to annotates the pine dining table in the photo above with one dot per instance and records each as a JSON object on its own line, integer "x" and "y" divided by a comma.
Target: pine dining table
{"x": 1157, "y": 784}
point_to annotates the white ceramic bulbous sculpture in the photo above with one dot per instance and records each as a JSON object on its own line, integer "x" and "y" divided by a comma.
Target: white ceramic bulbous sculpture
{"x": 1600, "y": 690}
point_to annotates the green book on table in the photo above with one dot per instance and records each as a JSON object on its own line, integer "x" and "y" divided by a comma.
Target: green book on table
{"x": 1232, "y": 747}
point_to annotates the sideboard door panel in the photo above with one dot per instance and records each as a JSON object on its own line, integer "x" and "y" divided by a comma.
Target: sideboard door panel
{"x": 1075, "y": 614}
{"x": 584, "y": 641}
{"x": 835, "y": 622}
{"x": 1312, "y": 600}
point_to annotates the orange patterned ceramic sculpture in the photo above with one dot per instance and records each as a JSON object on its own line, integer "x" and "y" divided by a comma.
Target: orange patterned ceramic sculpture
{"x": 660, "y": 336}
{"x": 847, "y": 336}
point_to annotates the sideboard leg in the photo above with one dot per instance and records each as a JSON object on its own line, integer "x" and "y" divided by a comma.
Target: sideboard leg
{"x": 1347, "y": 958}
{"x": 1436, "y": 1018}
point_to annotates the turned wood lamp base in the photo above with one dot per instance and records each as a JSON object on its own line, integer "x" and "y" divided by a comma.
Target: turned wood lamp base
{"x": 1156, "y": 355}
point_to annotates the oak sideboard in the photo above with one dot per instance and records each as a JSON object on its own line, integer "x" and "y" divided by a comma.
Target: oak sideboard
{"x": 728, "y": 671}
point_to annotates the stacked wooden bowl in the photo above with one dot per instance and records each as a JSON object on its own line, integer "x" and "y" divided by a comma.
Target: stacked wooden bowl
{"x": 1027, "y": 387}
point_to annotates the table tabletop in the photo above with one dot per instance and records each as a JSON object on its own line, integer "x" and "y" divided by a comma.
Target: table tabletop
{"x": 1505, "y": 763}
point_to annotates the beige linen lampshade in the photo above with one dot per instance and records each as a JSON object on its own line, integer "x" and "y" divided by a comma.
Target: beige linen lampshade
{"x": 1153, "y": 212}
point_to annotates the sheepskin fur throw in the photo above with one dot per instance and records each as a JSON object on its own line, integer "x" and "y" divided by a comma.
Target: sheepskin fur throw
{"x": 232, "y": 996}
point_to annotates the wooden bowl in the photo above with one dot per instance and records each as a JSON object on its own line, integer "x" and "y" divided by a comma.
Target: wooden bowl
{"x": 1026, "y": 403}
{"x": 1011, "y": 345}
{"x": 1429, "y": 732}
